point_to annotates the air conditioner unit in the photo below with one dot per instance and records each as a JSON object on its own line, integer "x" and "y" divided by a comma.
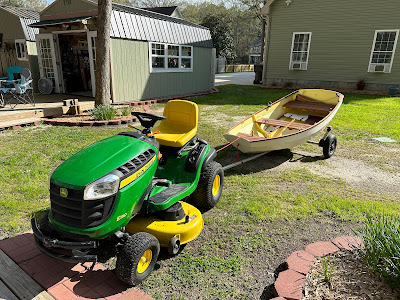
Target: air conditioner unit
{"x": 299, "y": 66}
{"x": 379, "y": 68}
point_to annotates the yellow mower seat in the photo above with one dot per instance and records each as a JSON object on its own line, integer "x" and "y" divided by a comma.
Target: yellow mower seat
{"x": 180, "y": 125}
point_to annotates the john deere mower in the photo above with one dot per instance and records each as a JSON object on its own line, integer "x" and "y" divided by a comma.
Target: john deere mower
{"x": 130, "y": 188}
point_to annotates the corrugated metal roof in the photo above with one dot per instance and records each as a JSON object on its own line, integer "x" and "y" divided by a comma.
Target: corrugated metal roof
{"x": 139, "y": 24}
{"x": 26, "y": 17}
{"x": 29, "y": 31}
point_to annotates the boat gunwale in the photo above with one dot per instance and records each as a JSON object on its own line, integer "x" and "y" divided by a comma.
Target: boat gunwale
{"x": 336, "y": 108}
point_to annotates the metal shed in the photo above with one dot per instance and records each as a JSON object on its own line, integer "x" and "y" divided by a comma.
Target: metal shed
{"x": 152, "y": 55}
{"x": 17, "y": 39}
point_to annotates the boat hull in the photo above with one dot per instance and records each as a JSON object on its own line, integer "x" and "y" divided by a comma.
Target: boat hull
{"x": 256, "y": 144}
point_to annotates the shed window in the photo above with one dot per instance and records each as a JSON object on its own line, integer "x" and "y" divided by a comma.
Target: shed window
{"x": 300, "y": 50}
{"x": 170, "y": 58}
{"x": 20, "y": 48}
{"x": 382, "y": 52}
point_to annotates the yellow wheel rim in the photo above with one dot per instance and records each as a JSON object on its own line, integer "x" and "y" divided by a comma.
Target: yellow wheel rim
{"x": 144, "y": 261}
{"x": 216, "y": 185}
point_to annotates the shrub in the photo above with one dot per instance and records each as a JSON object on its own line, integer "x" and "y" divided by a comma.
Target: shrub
{"x": 288, "y": 84}
{"x": 381, "y": 237}
{"x": 103, "y": 112}
{"x": 125, "y": 111}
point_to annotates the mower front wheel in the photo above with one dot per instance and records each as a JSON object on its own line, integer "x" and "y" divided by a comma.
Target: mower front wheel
{"x": 137, "y": 257}
{"x": 210, "y": 185}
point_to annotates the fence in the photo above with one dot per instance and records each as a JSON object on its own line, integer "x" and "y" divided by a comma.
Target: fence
{"x": 239, "y": 68}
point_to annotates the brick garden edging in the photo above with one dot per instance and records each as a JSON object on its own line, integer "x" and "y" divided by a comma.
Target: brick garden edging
{"x": 289, "y": 284}
{"x": 144, "y": 103}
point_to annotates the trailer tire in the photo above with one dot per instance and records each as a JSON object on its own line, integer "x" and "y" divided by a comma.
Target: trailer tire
{"x": 329, "y": 146}
{"x": 210, "y": 186}
{"x": 137, "y": 257}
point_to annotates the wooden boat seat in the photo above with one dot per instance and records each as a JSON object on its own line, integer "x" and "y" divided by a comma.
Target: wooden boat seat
{"x": 305, "y": 103}
{"x": 282, "y": 123}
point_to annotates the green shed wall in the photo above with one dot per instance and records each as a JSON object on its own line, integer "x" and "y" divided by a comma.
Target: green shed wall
{"x": 132, "y": 80}
{"x": 71, "y": 6}
{"x": 11, "y": 28}
{"x": 33, "y": 63}
{"x": 342, "y": 37}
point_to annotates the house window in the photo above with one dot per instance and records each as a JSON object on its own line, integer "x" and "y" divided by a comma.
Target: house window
{"x": 20, "y": 48}
{"x": 383, "y": 50}
{"x": 300, "y": 50}
{"x": 170, "y": 58}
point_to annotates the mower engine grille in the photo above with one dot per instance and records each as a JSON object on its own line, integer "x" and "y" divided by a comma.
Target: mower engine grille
{"x": 74, "y": 211}
{"x": 136, "y": 163}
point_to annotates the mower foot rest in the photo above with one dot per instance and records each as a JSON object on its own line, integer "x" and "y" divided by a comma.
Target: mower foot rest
{"x": 168, "y": 193}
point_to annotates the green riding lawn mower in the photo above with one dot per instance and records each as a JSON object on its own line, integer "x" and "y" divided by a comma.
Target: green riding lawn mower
{"x": 130, "y": 188}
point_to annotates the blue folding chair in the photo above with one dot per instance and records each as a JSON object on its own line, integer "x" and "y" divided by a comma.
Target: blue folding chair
{"x": 13, "y": 73}
{"x": 22, "y": 91}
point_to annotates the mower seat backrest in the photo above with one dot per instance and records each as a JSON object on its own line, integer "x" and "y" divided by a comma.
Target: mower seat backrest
{"x": 181, "y": 123}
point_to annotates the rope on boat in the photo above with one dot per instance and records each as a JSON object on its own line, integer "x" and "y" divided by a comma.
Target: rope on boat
{"x": 227, "y": 145}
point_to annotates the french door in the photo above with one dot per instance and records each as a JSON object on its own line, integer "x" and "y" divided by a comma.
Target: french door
{"x": 92, "y": 43}
{"x": 47, "y": 59}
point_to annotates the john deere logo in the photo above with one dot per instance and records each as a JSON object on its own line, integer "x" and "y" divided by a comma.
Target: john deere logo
{"x": 63, "y": 192}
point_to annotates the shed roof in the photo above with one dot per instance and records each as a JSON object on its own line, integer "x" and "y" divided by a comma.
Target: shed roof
{"x": 26, "y": 17}
{"x": 165, "y": 10}
{"x": 140, "y": 24}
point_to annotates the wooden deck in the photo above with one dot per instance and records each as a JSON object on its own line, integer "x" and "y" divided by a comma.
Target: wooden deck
{"x": 15, "y": 284}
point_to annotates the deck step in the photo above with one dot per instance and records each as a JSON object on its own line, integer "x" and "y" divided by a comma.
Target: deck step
{"x": 16, "y": 282}
{"x": 282, "y": 123}
{"x": 16, "y": 124}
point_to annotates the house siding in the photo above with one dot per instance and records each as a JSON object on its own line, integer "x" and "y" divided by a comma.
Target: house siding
{"x": 342, "y": 38}
{"x": 132, "y": 80}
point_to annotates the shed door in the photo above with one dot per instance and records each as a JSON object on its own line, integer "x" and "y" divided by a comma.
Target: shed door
{"x": 92, "y": 42}
{"x": 47, "y": 59}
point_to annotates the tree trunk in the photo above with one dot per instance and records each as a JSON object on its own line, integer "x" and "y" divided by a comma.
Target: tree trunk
{"x": 103, "y": 53}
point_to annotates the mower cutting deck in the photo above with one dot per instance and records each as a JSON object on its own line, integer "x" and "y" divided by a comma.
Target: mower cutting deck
{"x": 130, "y": 188}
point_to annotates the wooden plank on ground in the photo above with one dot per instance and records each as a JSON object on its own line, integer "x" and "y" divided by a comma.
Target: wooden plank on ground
{"x": 20, "y": 283}
{"x": 5, "y": 292}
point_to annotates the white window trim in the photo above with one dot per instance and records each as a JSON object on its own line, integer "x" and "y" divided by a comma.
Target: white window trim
{"x": 17, "y": 44}
{"x": 166, "y": 69}
{"x": 308, "y": 51}
{"x": 371, "y": 66}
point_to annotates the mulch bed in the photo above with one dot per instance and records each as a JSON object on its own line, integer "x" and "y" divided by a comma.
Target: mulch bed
{"x": 351, "y": 279}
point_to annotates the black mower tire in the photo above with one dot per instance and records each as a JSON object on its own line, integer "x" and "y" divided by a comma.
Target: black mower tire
{"x": 203, "y": 197}
{"x": 329, "y": 146}
{"x": 174, "y": 246}
{"x": 130, "y": 254}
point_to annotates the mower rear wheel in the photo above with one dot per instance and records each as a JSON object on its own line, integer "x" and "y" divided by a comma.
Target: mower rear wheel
{"x": 137, "y": 258}
{"x": 210, "y": 186}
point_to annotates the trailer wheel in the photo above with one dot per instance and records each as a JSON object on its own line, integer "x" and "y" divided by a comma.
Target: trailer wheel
{"x": 210, "y": 186}
{"x": 329, "y": 146}
{"x": 137, "y": 258}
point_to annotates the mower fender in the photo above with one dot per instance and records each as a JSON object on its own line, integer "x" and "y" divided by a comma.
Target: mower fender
{"x": 44, "y": 243}
{"x": 209, "y": 158}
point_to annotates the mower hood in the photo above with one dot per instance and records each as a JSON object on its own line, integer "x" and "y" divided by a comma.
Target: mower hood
{"x": 97, "y": 160}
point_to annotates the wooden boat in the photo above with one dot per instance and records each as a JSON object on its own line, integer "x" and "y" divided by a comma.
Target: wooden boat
{"x": 288, "y": 122}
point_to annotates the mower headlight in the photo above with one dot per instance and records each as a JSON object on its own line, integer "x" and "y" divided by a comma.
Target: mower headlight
{"x": 102, "y": 188}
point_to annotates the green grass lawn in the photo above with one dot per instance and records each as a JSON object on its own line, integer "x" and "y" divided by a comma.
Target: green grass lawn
{"x": 264, "y": 211}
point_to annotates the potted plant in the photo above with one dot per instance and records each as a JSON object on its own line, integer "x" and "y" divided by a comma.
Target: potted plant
{"x": 360, "y": 84}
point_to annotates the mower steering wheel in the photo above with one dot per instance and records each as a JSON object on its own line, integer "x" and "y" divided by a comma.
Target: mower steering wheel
{"x": 147, "y": 120}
